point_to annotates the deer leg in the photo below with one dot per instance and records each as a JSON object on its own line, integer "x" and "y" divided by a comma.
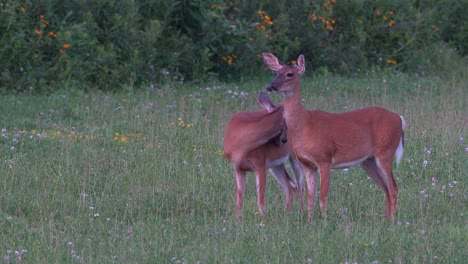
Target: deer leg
{"x": 298, "y": 173}
{"x": 261, "y": 184}
{"x": 282, "y": 176}
{"x": 240, "y": 180}
{"x": 370, "y": 166}
{"x": 311, "y": 180}
{"x": 324, "y": 171}
{"x": 385, "y": 169}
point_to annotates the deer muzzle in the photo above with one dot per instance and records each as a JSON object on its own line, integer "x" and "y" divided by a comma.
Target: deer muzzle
{"x": 271, "y": 87}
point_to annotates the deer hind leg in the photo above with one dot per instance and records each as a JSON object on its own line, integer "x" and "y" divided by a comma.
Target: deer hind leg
{"x": 240, "y": 181}
{"x": 385, "y": 168}
{"x": 260, "y": 173}
{"x": 298, "y": 173}
{"x": 370, "y": 166}
{"x": 282, "y": 176}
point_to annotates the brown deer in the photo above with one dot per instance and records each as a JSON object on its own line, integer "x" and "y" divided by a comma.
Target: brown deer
{"x": 321, "y": 141}
{"x": 256, "y": 141}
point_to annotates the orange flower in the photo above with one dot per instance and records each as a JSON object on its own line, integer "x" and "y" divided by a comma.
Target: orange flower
{"x": 435, "y": 27}
{"x": 66, "y": 46}
{"x": 52, "y": 34}
{"x": 390, "y": 13}
{"x": 267, "y": 20}
{"x": 37, "y": 32}
{"x": 214, "y": 6}
{"x": 313, "y": 17}
{"x": 261, "y": 27}
{"x": 390, "y": 61}
{"x": 391, "y": 23}
{"x": 44, "y": 22}
{"x": 359, "y": 21}
{"x": 23, "y": 9}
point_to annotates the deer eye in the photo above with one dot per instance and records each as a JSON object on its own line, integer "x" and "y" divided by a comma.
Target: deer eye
{"x": 290, "y": 74}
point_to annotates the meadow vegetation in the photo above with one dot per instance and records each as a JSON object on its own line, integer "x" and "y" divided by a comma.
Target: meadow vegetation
{"x": 139, "y": 176}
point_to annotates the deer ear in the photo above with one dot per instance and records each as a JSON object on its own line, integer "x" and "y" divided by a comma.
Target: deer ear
{"x": 265, "y": 101}
{"x": 301, "y": 64}
{"x": 272, "y": 62}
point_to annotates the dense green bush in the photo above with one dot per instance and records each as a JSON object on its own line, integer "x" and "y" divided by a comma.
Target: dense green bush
{"x": 111, "y": 43}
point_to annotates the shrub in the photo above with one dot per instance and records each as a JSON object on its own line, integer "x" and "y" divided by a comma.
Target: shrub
{"x": 111, "y": 44}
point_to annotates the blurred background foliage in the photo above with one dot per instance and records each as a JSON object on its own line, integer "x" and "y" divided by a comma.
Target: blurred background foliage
{"x": 111, "y": 44}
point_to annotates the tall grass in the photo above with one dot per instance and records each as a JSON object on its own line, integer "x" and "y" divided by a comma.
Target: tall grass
{"x": 139, "y": 177}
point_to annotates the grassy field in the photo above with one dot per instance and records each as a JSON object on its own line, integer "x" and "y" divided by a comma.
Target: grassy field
{"x": 140, "y": 177}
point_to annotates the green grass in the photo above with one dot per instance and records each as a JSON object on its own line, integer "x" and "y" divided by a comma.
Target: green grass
{"x": 139, "y": 177}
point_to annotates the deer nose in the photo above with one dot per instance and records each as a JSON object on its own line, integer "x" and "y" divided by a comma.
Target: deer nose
{"x": 270, "y": 88}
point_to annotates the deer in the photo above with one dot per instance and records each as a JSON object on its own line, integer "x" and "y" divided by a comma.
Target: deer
{"x": 257, "y": 141}
{"x": 369, "y": 137}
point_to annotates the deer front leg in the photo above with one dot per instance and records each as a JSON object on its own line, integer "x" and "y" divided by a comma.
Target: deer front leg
{"x": 298, "y": 173}
{"x": 282, "y": 176}
{"x": 261, "y": 184}
{"x": 324, "y": 171}
{"x": 310, "y": 175}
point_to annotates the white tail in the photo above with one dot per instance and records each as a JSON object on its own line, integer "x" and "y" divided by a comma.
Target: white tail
{"x": 401, "y": 145}
{"x": 368, "y": 137}
{"x": 256, "y": 141}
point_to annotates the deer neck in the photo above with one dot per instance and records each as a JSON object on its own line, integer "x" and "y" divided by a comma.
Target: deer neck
{"x": 294, "y": 111}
